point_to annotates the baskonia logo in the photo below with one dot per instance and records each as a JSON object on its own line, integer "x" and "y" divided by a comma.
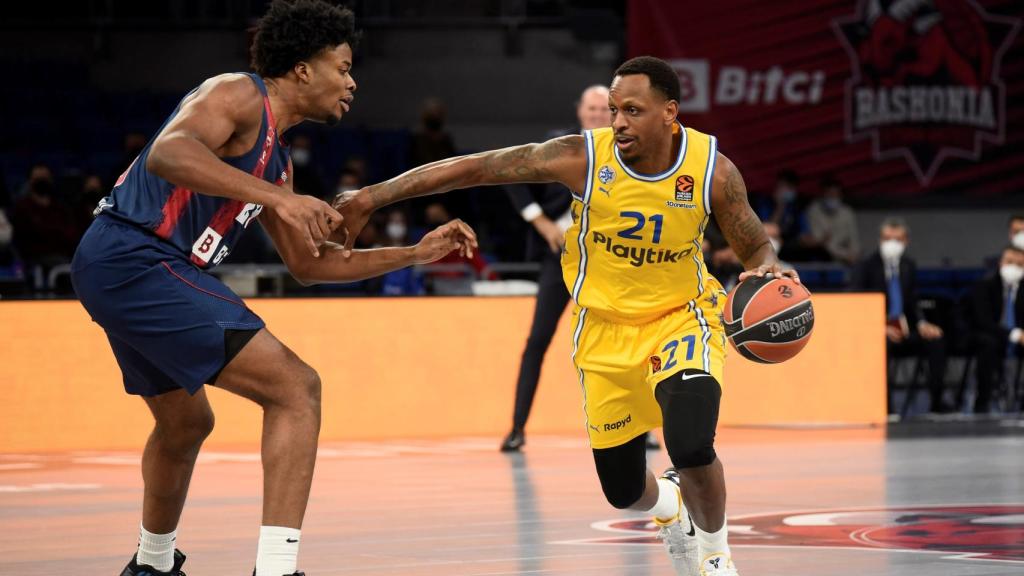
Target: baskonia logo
{"x": 972, "y": 532}
{"x": 926, "y": 82}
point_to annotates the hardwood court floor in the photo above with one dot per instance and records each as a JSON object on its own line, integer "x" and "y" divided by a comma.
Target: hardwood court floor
{"x": 813, "y": 503}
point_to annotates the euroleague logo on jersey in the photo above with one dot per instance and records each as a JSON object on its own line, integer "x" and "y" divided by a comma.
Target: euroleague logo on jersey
{"x": 684, "y": 188}
{"x": 926, "y": 83}
{"x": 977, "y": 532}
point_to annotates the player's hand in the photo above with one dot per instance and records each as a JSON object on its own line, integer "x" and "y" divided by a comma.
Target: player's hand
{"x": 441, "y": 241}
{"x": 550, "y": 232}
{"x": 894, "y": 334}
{"x": 774, "y": 269}
{"x": 312, "y": 217}
{"x": 355, "y": 207}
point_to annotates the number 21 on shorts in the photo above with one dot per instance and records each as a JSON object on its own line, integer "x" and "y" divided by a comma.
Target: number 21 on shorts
{"x": 671, "y": 348}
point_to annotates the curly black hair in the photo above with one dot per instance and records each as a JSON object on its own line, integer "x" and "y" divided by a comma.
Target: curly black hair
{"x": 663, "y": 77}
{"x": 295, "y": 30}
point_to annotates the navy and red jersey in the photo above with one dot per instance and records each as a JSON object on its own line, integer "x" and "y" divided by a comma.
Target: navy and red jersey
{"x": 204, "y": 228}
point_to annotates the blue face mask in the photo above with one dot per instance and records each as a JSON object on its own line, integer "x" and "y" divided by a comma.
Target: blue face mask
{"x": 830, "y": 204}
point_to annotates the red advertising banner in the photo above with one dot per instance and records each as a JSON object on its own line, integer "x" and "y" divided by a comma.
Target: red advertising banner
{"x": 892, "y": 97}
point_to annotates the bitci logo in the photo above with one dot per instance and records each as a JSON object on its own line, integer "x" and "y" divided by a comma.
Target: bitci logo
{"x": 926, "y": 83}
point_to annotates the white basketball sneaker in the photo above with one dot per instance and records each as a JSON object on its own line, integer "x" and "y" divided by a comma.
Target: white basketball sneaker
{"x": 678, "y": 536}
{"x": 718, "y": 565}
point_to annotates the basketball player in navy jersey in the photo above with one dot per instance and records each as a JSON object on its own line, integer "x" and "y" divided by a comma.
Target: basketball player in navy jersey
{"x": 216, "y": 166}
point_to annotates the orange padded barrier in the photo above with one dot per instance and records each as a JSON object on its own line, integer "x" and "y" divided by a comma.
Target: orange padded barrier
{"x": 395, "y": 368}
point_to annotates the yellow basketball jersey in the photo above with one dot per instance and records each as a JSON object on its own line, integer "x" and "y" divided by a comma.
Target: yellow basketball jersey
{"x": 633, "y": 252}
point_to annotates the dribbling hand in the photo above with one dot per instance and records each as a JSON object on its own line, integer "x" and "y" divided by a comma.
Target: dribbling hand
{"x": 774, "y": 269}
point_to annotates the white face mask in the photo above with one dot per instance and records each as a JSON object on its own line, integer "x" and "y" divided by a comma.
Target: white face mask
{"x": 300, "y": 156}
{"x": 776, "y": 245}
{"x": 1018, "y": 240}
{"x": 343, "y": 189}
{"x": 396, "y": 230}
{"x": 891, "y": 249}
{"x": 1011, "y": 273}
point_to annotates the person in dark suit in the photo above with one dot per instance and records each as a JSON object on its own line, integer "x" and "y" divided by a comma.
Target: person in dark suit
{"x": 546, "y": 207}
{"x": 996, "y": 307}
{"x": 907, "y": 333}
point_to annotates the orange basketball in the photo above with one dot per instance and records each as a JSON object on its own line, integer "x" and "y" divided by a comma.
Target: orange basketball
{"x": 769, "y": 320}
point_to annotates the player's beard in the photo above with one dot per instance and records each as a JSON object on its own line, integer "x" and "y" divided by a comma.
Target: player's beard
{"x": 331, "y": 119}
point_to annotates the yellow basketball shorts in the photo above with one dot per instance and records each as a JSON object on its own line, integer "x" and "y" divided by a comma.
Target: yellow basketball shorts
{"x": 619, "y": 364}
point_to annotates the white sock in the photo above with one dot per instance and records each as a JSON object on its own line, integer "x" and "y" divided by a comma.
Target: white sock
{"x": 156, "y": 550}
{"x": 668, "y": 504}
{"x": 713, "y": 542}
{"x": 278, "y": 551}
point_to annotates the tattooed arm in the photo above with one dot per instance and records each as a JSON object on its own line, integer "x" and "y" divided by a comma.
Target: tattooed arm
{"x": 561, "y": 160}
{"x": 741, "y": 227}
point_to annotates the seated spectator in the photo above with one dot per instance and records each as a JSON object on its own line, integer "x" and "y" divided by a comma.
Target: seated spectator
{"x": 996, "y": 314}
{"x": 431, "y": 141}
{"x": 348, "y": 181}
{"x": 306, "y": 175}
{"x": 907, "y": 333}
{"x": 44, "y": 231}
{"x": 406, "y": 281}
{"x": 1016, "y": 231}
{"x": 775, "y": 237}
{"x": 6, "y": 247}
{"x": 1015, "y": 236}
{"x": 833, "y": 225}
{"x": 85, "y": 203}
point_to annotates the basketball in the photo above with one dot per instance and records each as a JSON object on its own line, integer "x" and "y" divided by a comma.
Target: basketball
{"x": 769, "y": 320}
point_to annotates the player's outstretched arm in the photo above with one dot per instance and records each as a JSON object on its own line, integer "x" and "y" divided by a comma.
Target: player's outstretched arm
{"x": 740, "y": 225}
{"x": 561, "y": 160}
{"x": 333, "y": 266}
{"x": 186, "y": 153}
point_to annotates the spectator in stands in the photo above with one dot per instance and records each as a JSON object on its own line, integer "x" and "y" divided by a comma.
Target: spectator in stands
{"x": 85, "y": 203}
{"x": 833, "y": 225}
{"x": 406, "y": 281}
{"x": 454, "y": 282}
{"x": 6, "y": 235}
{"x": 430, "y": 141}
{"x": 133, "y": 145}
{"x": 44, "y": 231}
{"x": 1016, "y": 231}
{"x": 775, "y": 237}
{"x": 783, "y": 207}
{"x": 348, "y": 180}
{"x": 907, "y": 333}
{"x": 306, "y": 174}
{"x": 996, "y": 314}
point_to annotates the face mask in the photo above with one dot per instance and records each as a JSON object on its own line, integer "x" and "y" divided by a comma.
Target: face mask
{"x": 830, "y": 204}
{"x": 1011, "y": 273}
{"x": 891, "y": 249}
{"x": 396, "y": 230}
{"x": 776, "y": 245}
{"x": 433, "y": 123}
{"x": 1018, "y": 240}
{"x": 788, "y": 194}
{"x": 300, "y": 156}
{"x": 343, "y": 189}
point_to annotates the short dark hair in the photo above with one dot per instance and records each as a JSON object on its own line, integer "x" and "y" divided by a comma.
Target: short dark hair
{"x": 662, "y": 76}
{"x": 1012, "y": 248}
{"x": 1015, "y": 217}
{"x": 295, "y": 30}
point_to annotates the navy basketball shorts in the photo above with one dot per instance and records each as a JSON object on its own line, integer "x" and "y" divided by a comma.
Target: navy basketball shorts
{"x": 165, "y": 319}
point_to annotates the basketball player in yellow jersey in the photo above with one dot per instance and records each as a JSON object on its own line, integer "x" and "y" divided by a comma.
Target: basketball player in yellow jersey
{"x": 648, "y": 336}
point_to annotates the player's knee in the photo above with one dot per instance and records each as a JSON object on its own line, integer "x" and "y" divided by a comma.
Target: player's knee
{"x": 186, "y": 433}
{"x": 311, "y": 387}
{"x": 689, "y": 404}
{"x": 621, "y": 492}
